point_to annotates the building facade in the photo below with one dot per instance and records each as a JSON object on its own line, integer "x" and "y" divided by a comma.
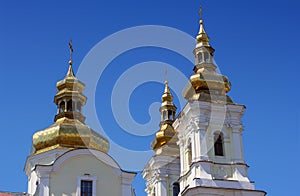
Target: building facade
{"x": 208, "y": 158}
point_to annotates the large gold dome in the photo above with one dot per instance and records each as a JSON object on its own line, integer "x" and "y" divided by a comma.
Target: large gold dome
{"x": 68, "y": 133}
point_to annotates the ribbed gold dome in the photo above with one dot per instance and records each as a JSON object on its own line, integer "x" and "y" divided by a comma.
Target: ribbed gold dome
{"x": 163, "y": 136}
{"x": 68, "y": 133}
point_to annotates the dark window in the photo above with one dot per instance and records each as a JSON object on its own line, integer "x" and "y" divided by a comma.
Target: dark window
{"x": 176, "y": 189}
{"x": 62, "y": 106}
{"x": 219, "y": 142}
{"x": 78, "y": 107}
{"x": 200, "y": 58}
{"x": 86, "y": 188}
{"x": 164, "y": 115}
{"x": 189, "y": 154}
{"x": 69, "y": 106}
{"x": 170, "y": 115}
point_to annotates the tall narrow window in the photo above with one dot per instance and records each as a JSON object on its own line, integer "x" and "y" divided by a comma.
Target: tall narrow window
{"x": 165, "y": 115}
{"x": 62, "y": 106}
{"x": 189, "y": 154}
{"x": 200, "y": 57}
{"x": 170, "y": 115}
{"x": 206, "y": 57}
{"x": 176, "y": 189}
{"x": 219, "y": 144}
{"x": 86, "y": 188}
{"x": 69, "y": 106}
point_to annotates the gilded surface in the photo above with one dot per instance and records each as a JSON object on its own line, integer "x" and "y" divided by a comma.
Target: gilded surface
{"x": 68, "y": 133}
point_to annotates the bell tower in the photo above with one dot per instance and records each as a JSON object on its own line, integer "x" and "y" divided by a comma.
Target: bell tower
{"x": 209, "y": 130}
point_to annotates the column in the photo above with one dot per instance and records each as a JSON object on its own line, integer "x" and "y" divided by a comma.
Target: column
{"x": 162, "y": 185}
{"x": 237, "y": 144}
{"x": 44, "y": 185}
{"x": 182, "y": 155}
{"x": 203, "y": 144}
{"x": 43, "y": 173}
{"x": 194, "y": 147}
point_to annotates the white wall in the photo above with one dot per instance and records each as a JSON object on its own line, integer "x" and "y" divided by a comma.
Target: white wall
{"x": 64, "y": 180}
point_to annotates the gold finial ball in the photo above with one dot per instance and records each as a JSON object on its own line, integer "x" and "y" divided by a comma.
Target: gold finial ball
{"x": 70, "y": 62}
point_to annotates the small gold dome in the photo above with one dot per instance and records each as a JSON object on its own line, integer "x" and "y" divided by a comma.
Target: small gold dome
{"x": 202, "y": 36}
{"x": 163, "y": 136}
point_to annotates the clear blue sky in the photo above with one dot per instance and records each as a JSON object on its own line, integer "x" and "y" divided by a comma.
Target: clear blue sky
{"x": 257, "y": 47}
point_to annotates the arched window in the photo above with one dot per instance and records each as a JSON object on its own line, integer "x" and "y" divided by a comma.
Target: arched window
{"x": 219, "y": 144}
{"x": 62, "y": 106}
{"x": 200, "y": 58}
{"x": 70, "y": 105}
{"x": 170, "y": 115}
{"x": 78, "y": 107}
{"x": 206, "y": 57}
{"x": 164, "y": 115}
{"x": 176, "y": 189}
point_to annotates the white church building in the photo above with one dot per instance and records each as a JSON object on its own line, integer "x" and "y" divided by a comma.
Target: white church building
{"x": 198, "y": 151}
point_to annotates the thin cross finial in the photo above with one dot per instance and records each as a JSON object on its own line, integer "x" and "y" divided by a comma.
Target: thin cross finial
{"x": 200, "y": 13}
{"x": 71, "y": 51}
{"x": 166, "y": 74}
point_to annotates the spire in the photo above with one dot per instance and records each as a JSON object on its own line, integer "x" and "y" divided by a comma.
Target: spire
{"x": 202, "y": 37}
{"x": 167, "y": 112}
{"x": 167, "y": 96}
{"x": 70, "y": 72}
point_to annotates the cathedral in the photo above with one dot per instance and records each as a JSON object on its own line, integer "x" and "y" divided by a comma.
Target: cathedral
{"x": 198, "y": 150}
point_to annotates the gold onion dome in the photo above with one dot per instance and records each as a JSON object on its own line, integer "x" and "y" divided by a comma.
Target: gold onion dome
{"x": 206, "y": 84}
{"x": 168, "y": 110}
{"x": 69, "y": 130}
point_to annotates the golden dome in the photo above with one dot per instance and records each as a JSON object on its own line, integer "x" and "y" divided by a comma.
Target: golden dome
{"x": 163, "y": 136}
{"x": 68, "y": 133}
{"x": 202, "y": 36}
{"x": 69, "y": 130}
